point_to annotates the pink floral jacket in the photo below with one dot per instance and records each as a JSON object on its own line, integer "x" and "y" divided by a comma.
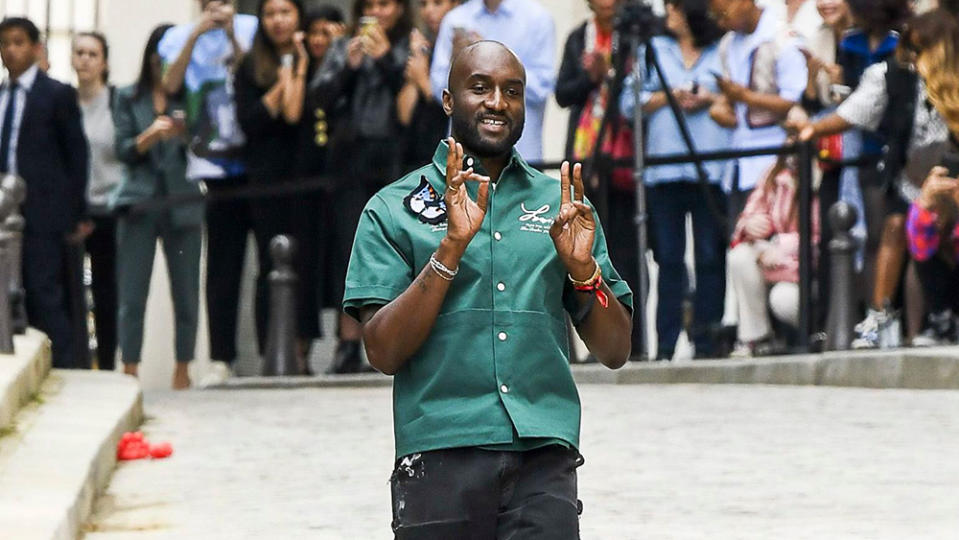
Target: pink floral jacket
{"x": 775, "y": 201}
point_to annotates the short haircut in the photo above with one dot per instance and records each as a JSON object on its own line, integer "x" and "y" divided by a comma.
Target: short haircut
{"x": 325, "y": 12}
{"x": 23, "y": 23}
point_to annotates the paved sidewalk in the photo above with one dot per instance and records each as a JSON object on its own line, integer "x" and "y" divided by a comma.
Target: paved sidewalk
{"x": 662, "y": 462}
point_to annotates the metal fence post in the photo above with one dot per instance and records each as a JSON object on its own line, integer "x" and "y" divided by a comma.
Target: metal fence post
{"x": 280, "y": 356}
{"x": 805, "y": 244}
{"x": 842, "y": 248}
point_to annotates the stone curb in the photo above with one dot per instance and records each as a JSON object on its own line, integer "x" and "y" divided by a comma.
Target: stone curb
{"x": 929, "y": 369}
{"x": 22, "y": 373}
{"x": 67, "y": 454}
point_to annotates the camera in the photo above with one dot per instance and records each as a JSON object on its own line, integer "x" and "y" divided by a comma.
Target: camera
{"x": 636, "y": 18}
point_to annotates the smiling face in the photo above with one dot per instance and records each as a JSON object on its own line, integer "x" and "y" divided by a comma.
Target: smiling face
{"x": 387, "y": 12}
{"x": 280, "y": 20}
{"x": 318, "y": 38}
{"x": 486, "y": 99}
{"x": 89, "y": 59}
{"x": 833, "y": 12}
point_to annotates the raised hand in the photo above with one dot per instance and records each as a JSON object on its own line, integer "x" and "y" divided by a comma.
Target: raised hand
{"x": 376, "y": 43}
{"x": 574, "y": 228}
{"x": 354, "y": 53}
{"x": 937, "y": 186}
{"x": 464, "y": 216}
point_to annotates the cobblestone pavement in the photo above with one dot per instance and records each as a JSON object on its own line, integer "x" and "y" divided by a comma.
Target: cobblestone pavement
{"x": 662, "y": 462}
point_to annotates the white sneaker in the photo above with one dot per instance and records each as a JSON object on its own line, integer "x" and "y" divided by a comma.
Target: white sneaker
{"x": 741, "y": 350}
{"x": 880, "y": 329}
{"x": 217, "y": 374}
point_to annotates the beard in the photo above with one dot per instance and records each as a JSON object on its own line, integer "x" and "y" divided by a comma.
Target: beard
{"x": 466, "y": 131}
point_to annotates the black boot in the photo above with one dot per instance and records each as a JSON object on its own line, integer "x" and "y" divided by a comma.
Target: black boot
{"x": 346, "y": 358}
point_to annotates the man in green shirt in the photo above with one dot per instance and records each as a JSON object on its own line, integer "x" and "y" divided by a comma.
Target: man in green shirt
{"x": 461, "y": 273}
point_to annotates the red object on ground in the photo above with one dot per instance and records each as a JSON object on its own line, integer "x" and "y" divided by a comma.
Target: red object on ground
{"x": 161, "y": 450}
{"x": 133, "y": 446}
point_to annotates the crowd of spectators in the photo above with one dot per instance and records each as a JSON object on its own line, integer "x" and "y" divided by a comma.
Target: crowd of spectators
{"x": 346, "y": 104}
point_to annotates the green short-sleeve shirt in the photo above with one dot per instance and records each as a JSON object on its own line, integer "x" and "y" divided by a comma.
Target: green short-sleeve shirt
{"x": 497, "y": 361}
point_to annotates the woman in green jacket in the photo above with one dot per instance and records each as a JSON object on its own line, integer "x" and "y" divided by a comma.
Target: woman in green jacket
{"x": 149, "y": 140}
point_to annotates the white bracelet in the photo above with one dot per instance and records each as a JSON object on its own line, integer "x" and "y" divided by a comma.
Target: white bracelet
{"x": 441, "y": 269}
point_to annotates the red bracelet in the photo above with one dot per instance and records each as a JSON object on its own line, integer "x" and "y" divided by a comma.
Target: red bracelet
{"x": 597, "y": 289}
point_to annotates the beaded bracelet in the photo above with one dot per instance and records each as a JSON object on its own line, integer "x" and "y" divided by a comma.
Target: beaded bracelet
{"x": 593, "y": 285}
{"x": 441, "y": 269}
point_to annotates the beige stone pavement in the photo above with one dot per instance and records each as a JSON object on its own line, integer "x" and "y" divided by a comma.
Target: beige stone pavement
{"x": 662, "y": 462}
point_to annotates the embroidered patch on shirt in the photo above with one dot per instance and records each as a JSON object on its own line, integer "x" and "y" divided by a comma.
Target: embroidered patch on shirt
{"x": 426, "y": 203}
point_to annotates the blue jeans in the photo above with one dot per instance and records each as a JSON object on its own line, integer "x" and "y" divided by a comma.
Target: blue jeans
{"x": 668, "y": 206}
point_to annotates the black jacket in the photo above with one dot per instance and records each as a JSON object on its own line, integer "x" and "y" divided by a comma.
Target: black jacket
{"x": 573, "y": 84}
{"x": 53, "y": 158}
{"x": 271, "y": 143}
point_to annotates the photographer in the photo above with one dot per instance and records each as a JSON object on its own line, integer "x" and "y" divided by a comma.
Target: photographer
{"x": 688, "y": 56}
{"x": 270, "y": 91}
{"x": 358, "y": 84}
{"x": 200, "y": 57}
{"x": 764, "y": 74}
{"x": 933, "y": 234}
{"x": 421, "y": 116}
{"x": 149, "y": 140}
{"x": 932, "y": 222}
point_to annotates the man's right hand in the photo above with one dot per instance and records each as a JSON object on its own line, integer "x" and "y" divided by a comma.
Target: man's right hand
{"x": 464, "y": 215}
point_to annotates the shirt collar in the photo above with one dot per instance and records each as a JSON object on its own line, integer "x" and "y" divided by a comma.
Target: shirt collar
{"x": 515, "y": 160}
{"x": 27, "y": 79}
{"x": 506, "y": 8}
{"x": 767, "y": 26}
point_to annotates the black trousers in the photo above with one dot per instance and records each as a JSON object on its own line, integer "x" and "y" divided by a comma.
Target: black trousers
{"x": 44, "y": 283}
{"x": 228, "y": 224}
{"x": 473, "y": 494}
{"x": 294, "y": 217}
{"x": 940, "y": 283}
{"x": 102, "y": 248}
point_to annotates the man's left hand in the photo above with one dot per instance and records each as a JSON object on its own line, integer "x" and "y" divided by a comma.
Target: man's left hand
{"x": 574, "y": 228}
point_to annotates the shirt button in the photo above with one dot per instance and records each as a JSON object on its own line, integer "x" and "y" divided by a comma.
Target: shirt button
{"x": 501, "y": 287}
{"x": 502, "y": 336}
{"x": 497, "y": 236}
{"x": 504, "y": 389}
{"x": 469, "y": 162}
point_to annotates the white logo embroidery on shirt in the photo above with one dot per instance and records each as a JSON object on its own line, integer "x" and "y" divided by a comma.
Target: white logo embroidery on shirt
{"x": 532, "y": 220}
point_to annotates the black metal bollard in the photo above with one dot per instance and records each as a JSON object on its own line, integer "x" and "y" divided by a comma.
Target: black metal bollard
{"x": 842, "y": 248}
{"x": 14, "y": 226}
{"x": 281, "y": 334}
{"x": 6, "y": 314}
{"x": 12, "y": 192}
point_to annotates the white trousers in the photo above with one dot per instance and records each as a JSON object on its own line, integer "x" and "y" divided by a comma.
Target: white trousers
{"x": 748, "y": 292}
